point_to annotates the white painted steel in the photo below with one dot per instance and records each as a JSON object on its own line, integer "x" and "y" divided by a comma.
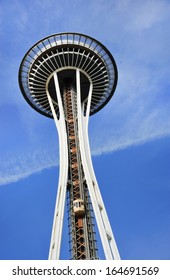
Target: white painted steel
{"x": 106, "y": 234}
{"x": 105, "y": 231}
{"x": 54, "y": 252}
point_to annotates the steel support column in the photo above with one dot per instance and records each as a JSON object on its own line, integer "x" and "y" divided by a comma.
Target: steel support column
{"x": 106, "y": 234}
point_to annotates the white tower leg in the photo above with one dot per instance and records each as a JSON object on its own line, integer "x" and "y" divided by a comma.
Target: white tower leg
{"x": 106, "y": 234}
{"x": 55, "y": 245}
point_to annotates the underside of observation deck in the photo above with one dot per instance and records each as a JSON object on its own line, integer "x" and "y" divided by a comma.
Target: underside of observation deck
{"x": 64, "y": 53}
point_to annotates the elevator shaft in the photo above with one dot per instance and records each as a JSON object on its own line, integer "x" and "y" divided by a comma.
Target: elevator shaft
{"x": 81, "y": 226}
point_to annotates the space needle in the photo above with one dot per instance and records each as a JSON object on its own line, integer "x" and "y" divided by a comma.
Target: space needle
{"x": 69, "y": 77}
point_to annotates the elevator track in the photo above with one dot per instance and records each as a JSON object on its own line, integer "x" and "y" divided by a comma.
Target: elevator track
{"x": 80, "y": 212}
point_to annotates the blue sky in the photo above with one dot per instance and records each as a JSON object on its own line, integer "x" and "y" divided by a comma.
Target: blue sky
{"x": 130, "y": 137}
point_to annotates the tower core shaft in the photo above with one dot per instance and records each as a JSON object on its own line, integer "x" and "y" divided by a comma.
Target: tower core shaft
{"x": 81, "y": 229}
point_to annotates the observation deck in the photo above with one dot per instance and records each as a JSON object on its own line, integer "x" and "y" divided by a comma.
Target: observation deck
{"x": 63, "y": 53}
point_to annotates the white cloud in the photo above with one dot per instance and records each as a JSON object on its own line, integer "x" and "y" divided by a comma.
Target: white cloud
{"x": 151, "y": 13}
{"x": 21, "y": 165}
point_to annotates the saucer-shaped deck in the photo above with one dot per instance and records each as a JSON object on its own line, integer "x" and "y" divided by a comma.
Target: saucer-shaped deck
{"x": 64, "y": 53}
